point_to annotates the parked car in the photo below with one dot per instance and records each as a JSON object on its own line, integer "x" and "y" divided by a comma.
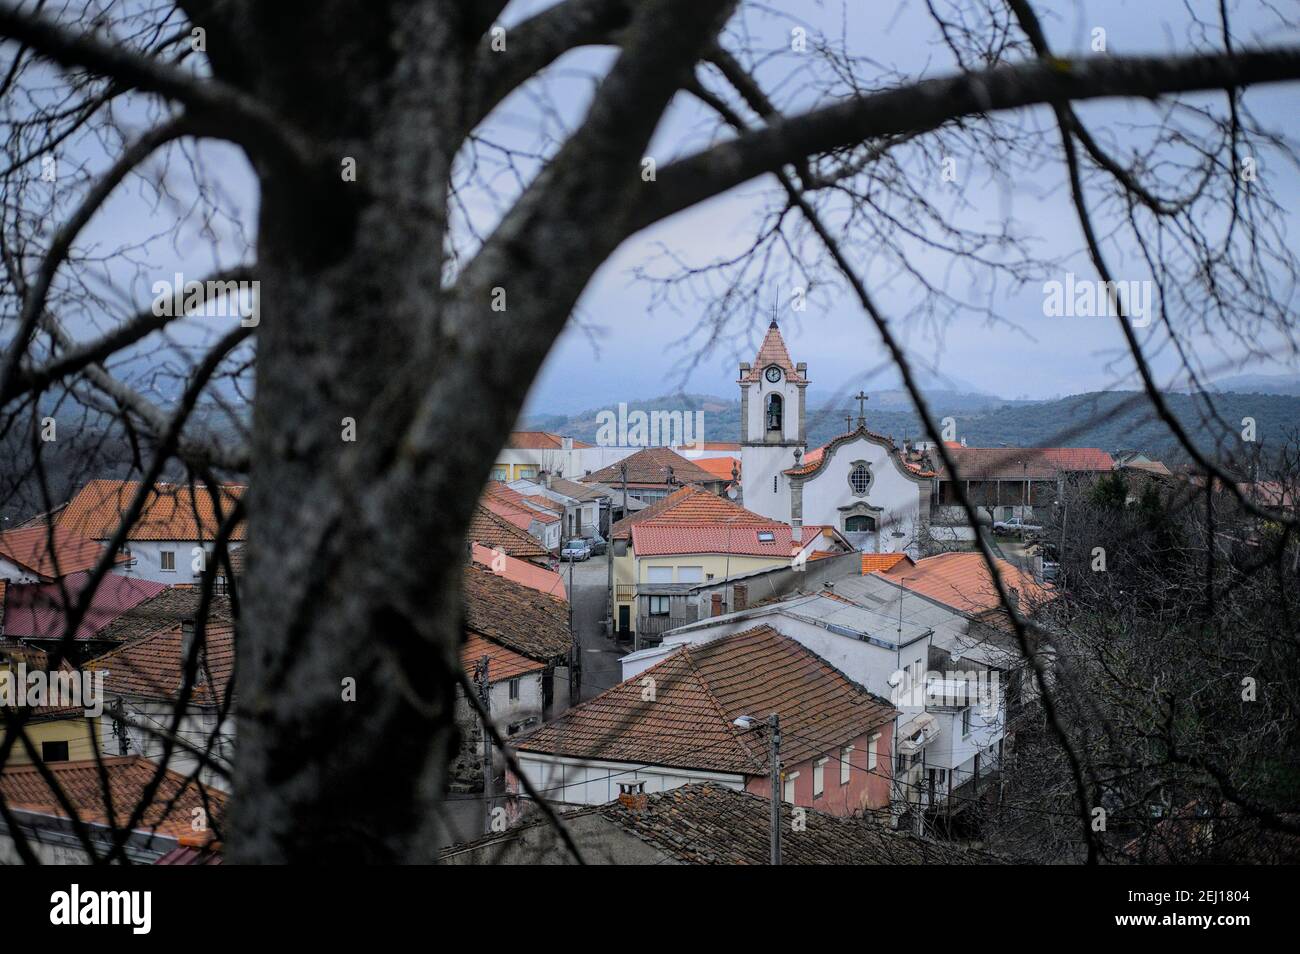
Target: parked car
{"x": 1016, "y": 527}
{"x": 596, "y": 544}
{"x": 576, "y": 550}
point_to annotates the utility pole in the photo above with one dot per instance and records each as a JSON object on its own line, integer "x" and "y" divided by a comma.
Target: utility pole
{"x": 774, "y": 756}
{"x": 485, "y": 697}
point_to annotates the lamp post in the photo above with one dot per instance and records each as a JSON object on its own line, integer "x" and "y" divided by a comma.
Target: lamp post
{"x": 749, "y": 723}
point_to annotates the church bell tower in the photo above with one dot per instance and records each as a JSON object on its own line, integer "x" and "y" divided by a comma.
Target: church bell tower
{"x": 772, "y": 425}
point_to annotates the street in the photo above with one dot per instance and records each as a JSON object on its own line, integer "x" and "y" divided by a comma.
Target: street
{"x": 600, "y": 655}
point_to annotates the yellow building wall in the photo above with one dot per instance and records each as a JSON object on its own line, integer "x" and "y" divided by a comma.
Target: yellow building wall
{"x": 74, "y": 731}
{"x": 631, "y": 570}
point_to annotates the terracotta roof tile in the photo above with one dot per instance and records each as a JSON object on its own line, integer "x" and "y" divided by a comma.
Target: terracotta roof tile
{"x": 773, "y": 352}
{"x": 169, "y": 512}
{"x": 720, "y": 467}
{"x": 699, "y": 690}
{"x": 658, "y": 539}
{"x": 500, "y": 533}
{"x": 690, "y": 506}
{"x": 152, "y": 667}
{"x": 170, "y": 813}
{"x": 882, "y": 561}
{"x": 962, "y": 581}
{"x": 516, "y": 616}
{"x": 51, "y": 551}
{"x": 503, "y": 663}
{"x": 539, "y": 440}
{"x": 520, "y": 571}
{"x": 649, "y": 467}
{"x": 1020, "y": 463}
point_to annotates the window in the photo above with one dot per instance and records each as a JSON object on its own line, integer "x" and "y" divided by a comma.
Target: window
{"x": 846, "y": 764}
{"x": 775, "y": 407}
{"x": 859, "y": 522}
{"x": 167, "y": 560}
{"x": 819, "y": 777}
{"x": 54, "y": 751}
{"x": 501, "y": 472}
{"x": 514, "y": 690}
{"x": 766, "y": 536}
{"x": 787, "y": 791}
{"x": 774, "y": 483}
{"x": 690, "y": 574}
{"x": 658, "y": 605}
{"x": 872, "y": 746}
{"x": 965, "y": 722}
{"x": 860, "y": 479}
{"x": 659, "y": 574}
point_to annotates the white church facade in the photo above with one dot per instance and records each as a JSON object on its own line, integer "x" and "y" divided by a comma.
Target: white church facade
{"x": 858, "y": 483}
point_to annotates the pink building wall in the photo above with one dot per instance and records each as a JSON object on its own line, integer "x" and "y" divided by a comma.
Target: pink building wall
{"x": 865, "y": 790}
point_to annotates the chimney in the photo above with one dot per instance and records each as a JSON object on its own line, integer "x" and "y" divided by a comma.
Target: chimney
{"x": 187, "y": 637}
{"x": 740, "y": 596}
{"x": 632, "y": 795}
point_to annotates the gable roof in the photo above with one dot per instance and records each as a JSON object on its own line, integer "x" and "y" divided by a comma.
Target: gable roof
{"x": 492, "y": 529}
{"x": 516, "y": 616}
{"x": 170, "y": 813}
{"x": 871, "y": 562}
{"x": 690, "y": 506}
{"x": 699, "y": 690}
{"x": 171, "y": 511}
{"x": 165, "y": 609}
{"x": 503, "y": 663}
{"x": 773, "y": 352}
{"x": 650, "y": 465}
{"x": 1021, "y": 463}
{"x": 520, "y": 571}
{"x": 513, "y": 505}
{"x": 659, "y": 539}
{"x": 961, "y": 580}
{"x": 48, "y": 552}
{"x": 539, "y": 440}
{"x": 571, "y": 488}
{"x": 152, "y": 666}
{"x": 38, "y": 610}
{"x": 816, "y": 459}
{"x": 704, "y": 823}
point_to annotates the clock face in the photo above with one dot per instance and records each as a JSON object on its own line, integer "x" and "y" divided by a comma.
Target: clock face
{"x": 773, "y": 374}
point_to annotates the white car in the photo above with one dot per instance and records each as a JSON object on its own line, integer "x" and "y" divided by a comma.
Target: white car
{"x": 1016, "y": 526}
{"x": 576, "y": 550}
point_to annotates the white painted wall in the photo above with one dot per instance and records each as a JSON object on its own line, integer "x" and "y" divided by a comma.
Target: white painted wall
{"x": 196, "y": 729}
{"x": 146, "y": 560}
{"x": 899, "y": 495}
{"x": 580, "y": 782}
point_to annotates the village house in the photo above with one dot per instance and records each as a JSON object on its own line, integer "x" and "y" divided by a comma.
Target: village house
{"x": 705, "y": 823}
{"x": 174, "y": 535}
{"x": 501, "y": 535}
{"x": 515, "y": 625}
{"x": 182, "y": 812}
{"x": 677, "y": 722}
{"x": 540, "y": 517}
{"x": 528, "y": 453}
{"x": 693, "y": 537}
{"x": 859, "y": 483}
{"x": 579, "y": 504}
{"x": 929, "y": 637}
{"x": 1007, "y": 482}
{"x": 42, "y": 553}
{"x": 35, "y": 614}
{"x": 652, "y": 473}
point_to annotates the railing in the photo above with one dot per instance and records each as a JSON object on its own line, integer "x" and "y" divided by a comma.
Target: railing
{"x": 624, "y": 591}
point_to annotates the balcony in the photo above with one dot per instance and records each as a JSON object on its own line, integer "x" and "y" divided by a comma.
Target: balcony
{"x": 654, "y": 626}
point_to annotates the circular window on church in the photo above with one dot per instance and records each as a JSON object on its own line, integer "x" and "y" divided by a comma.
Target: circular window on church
{"x": 860, "y": 478}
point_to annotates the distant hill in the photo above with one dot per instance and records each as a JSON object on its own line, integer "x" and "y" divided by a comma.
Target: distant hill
{"x": 1111, "y": 420}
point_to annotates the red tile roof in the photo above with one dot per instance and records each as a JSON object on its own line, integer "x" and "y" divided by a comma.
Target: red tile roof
{"x": 962, "y": 581}
{"x": 520, "y": 571}
{"x": 773, "y": 352}
{"x": 699, "y": 690}
{"x": 49, "y": 552}
{"x": 513, "y": 505}
{"x": 170, "y": 813}
{"x": 37, "y": 610}
{"x": 656, "y": 539}
{"x": 500, "y": 532}
{"x": 152, "y": 667}
{"x": 539, "y": 440}
{"x": 1024, "y": 463}
{"x": 882, "y": 561}
{"x": 649, "y": 467}
{"x": 720, "y": 467}
{"x": 690, "y": 506}
{"x": 516, "y": 616}
{"x": 503, "y": 663}
{"x": 171, "y": 511}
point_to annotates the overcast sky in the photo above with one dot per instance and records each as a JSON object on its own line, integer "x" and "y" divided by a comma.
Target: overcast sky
{"x": 622, "y": 349}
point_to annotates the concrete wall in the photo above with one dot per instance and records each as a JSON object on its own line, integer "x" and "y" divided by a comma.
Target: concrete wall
{"x": 595, "y": 782}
